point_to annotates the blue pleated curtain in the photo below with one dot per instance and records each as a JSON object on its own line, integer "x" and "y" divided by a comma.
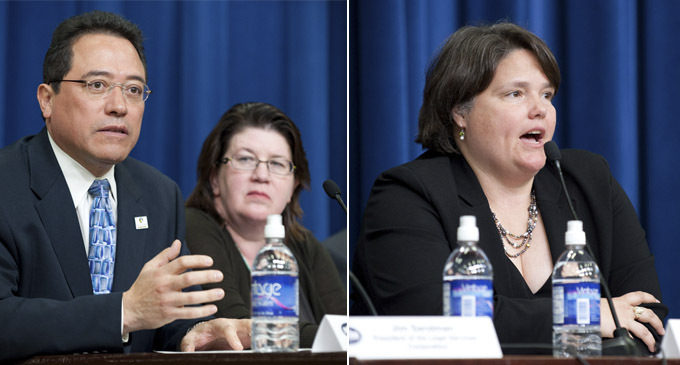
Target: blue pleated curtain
{"x": 620, "y": 65}
{"x": 203, "y": 57}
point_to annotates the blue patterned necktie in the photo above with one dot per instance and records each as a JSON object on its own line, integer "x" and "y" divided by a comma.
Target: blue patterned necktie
{"x": 102, "y": 252}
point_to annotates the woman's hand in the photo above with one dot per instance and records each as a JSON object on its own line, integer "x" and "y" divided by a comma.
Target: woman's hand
{"x": 626, "y": 310}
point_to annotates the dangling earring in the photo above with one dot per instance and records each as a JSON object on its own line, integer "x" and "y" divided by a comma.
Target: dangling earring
{"x": 461, "y": 134}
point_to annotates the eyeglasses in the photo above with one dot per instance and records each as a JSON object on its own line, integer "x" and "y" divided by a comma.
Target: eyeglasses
{"x": 278, "y": 166}
{"x": 133, "y": 92}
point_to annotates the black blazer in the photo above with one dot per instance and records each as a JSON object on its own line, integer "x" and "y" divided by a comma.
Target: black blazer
{"x": 46, "y": 300}
{"x": 411, "y": 219}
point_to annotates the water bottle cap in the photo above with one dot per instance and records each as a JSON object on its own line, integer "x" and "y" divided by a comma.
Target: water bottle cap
{"x": 467, "y": 230}
{"x": 274, "y": 227}
{"x": 575, "y": 234}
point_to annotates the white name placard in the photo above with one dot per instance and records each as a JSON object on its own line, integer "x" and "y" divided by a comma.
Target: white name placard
{"x": 671, "y": 341}
{"x": 331, "y": 335}
{"x": 422, "y": 337}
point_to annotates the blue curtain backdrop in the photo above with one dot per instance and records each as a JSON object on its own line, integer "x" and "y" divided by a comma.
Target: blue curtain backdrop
{"x": 203, "y": 57}
{"x": 620, "y": 65}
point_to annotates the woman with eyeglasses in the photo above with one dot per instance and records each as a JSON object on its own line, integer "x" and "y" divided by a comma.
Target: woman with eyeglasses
{"x": 252, "y": 165}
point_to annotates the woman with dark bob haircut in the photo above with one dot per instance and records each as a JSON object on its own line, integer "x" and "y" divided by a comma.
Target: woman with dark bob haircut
{"x": 487, "y": 113}
{"x": 252, "y": 165}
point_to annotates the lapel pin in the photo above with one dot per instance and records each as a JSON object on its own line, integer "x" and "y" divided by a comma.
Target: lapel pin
{"x": 141, "y": 223}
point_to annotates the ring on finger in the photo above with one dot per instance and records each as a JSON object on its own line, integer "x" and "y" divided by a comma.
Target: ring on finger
{"x": 638, "y": 312}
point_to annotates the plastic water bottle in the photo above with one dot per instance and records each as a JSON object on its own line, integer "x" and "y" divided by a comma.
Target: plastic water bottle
{"x": 576, "y": 299}
{"x": 468, "y": 275}
{"x": 274, "y": 291}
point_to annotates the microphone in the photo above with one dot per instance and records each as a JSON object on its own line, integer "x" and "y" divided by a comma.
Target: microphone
{"x": 621, "y": 344}
{"x": 333, "y": 191}
{"x": 552, "y": 152}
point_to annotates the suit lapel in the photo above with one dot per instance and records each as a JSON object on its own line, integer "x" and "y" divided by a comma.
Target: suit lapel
{"x": 58, "y": 215}
{"x": 472, "y": 197}
{"x": 130, "y": 241}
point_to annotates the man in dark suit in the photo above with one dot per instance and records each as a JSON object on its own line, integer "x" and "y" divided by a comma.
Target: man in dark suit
{"x": 92, "y": 100}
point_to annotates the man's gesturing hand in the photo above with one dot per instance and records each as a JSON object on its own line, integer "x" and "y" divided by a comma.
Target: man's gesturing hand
{"x": 156, "y": 297}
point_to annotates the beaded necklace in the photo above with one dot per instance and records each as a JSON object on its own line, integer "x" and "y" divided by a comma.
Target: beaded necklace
{"x": 525, "y": 237}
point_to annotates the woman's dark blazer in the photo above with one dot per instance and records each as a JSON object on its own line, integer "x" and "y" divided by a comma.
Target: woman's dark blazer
{"x": 409, "y": 230}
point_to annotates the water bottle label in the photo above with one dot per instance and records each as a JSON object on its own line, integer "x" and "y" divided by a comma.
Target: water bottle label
{"x": 471, "y": 298}
{"x": 275, "y": 295}
{"x": 576, "y": 303}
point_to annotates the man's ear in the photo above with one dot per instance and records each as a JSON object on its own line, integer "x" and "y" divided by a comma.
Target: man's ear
{"x": 45, "y": 98}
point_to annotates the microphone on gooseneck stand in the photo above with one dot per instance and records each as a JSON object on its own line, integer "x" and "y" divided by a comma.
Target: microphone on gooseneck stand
{"x": 552, "y": 152}
{"x": 333, "y": 191}
{"x": 621, "y": 344}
